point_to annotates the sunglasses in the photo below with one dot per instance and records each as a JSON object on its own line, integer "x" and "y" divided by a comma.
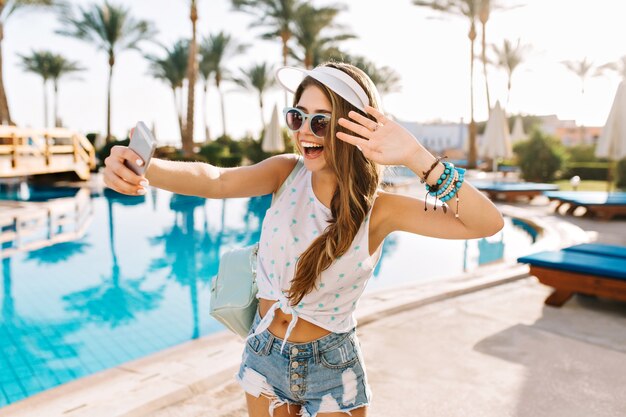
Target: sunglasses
{"x": 295, "y": 119}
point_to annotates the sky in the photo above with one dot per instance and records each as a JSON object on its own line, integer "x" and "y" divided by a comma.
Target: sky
{"x": 429, "y": 51}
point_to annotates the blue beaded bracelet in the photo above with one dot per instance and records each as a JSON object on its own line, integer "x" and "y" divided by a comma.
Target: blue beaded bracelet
{"x": 448, "y": 166}
{"x": 450, "y": 187}
{"x": 456, "y": 186}
{"x": 448, "y": 190}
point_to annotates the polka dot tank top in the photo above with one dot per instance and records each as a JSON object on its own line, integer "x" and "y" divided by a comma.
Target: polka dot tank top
{"x": 291, "y": 224}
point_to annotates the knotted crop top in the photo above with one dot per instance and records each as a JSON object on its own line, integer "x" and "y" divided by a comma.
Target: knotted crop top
{"x": 291, "y": 224}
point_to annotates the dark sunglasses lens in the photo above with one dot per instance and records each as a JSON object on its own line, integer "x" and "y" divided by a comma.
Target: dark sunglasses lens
{"x": 319, "y": 125}
{"x": 293, "y": 119}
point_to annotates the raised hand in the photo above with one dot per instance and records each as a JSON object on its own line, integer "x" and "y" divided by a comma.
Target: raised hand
{"x": 384, "y": 141}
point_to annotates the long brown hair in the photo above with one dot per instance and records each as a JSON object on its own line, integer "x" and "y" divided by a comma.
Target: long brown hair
{"x": 357, "y": 181}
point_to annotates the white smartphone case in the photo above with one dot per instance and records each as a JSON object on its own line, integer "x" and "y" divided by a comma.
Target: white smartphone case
{"x": 144, "y": 144}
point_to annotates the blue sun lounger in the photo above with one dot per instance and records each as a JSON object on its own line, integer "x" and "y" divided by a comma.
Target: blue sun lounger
{"x": 572, "y": 271}
{"x": 512, "y": 190}
{"x": 599, "y": 249}
{"x": 598, "y": 203}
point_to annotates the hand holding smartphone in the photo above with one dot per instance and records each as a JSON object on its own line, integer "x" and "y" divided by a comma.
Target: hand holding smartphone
{"x": 143, "y": 144}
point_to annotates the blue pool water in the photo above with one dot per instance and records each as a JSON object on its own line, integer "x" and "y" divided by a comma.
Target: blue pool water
{"x": 130, "y": 276}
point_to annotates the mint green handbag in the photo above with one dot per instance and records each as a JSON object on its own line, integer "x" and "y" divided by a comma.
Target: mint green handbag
{"x": 234, "y": 289}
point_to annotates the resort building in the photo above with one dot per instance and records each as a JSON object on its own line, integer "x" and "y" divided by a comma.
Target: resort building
{"x": 568, "y": 132}
{"x": 439, "y": 137}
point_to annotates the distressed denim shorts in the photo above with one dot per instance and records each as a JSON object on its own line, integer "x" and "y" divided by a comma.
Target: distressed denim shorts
{"x": 322, "y": 376}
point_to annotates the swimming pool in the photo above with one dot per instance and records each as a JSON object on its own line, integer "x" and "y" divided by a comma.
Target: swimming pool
{"x": 130, "y": 276}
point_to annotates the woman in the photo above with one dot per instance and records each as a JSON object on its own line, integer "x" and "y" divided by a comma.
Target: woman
{"x": 322, "y": 238}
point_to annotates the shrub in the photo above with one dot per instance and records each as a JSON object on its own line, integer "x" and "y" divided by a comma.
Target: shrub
{"x": 213, "y": 152}
{"x": 91, "y": 137}
{"x": 251, "y": 149}
{"x": 234, "y": 147}
{"x": 540, "y": 158}
{"x": 621, "y": 174}
{"x": 595, "y": 168}
{"x": 223, "y": 152}
{"x": 193, "y": 158}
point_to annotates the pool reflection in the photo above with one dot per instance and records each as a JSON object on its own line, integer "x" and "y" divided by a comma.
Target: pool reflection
{"x": 137, "y": 281}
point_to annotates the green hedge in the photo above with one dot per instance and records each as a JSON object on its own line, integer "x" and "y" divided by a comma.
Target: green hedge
{"x": 621, "y": 174}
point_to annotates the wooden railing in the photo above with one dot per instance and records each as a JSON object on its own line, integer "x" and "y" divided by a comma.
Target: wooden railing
{"x": 26, "y": 151}
{"x": 28, "y": 226}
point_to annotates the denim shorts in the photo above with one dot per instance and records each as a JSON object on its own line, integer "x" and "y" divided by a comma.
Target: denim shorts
{"x": 324, "y": 375}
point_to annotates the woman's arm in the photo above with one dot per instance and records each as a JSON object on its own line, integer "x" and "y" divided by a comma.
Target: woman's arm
{"x": 478, "y": 216}
{"x": 387, "y": 142}
{"x": 197, "y": 178}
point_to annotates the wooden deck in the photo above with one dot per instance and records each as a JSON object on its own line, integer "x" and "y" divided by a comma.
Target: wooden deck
{"x": 25, "y": 152}
{"x": 27, "y": 226}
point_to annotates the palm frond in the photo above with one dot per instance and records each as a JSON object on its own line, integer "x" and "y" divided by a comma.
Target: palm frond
{"x": 509, "y": 56}
{"x": 259, "y": 77}
{"x": 109, "y": 27}
{"x": 311, "y": 29}
{"x": 619, "y": 67}
{"x": 11, "y": 6}
{"x": 172, "y": 68}
{"x": 61, "y": 67}
{"x": 38, "y": 62}
{"x": 215, "y": 50}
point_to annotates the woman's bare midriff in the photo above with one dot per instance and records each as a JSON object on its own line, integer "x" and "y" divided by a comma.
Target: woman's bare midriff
{"x": 304, "y": 331}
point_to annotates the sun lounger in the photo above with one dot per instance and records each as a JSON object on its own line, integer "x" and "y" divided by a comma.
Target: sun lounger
{"x": 510, "y": 191}
{"x": 572, "y": 271}
{"x": 597, "y": 203}
{"x": 599, "y": 249}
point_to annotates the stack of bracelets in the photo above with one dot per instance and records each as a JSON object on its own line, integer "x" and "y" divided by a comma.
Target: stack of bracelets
{"x": 447, "y": 186}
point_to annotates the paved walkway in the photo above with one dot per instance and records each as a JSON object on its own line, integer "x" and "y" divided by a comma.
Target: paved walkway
{"x": 497, "y": 352}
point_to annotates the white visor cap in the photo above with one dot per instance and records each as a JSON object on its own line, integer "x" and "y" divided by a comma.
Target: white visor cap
{"x": 337, "y": 80}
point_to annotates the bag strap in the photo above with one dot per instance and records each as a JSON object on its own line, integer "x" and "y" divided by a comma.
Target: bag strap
{"x": 289, "y": 180}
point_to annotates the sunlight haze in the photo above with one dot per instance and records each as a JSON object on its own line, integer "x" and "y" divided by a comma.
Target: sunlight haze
{"x": 429, "y": 51}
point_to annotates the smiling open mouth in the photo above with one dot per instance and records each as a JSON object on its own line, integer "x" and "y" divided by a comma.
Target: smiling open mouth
{"x": 312, "y": 150}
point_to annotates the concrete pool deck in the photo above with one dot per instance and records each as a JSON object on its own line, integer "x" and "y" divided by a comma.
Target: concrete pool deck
{"x": 488, "y": 346}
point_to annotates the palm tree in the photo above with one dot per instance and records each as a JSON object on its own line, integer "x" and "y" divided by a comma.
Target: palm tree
{"x": 192, "y": 70}
{"x": 60, "y": 67}
{"x": 483, "y": 16}
{"x": 278, "y": 16}
{"x": 309, "y": 24}
{"x": 8, "y": 9}
{"x": 619, "y": 67}
{"x": 486, "y": 7}
{"x": 468, "y": 9}
{"x": 509, "y": 57}
{"x": 386, "y": 79}
{"x": 110, "y": 28}
{"x": 259, "y": 77}
{"x": 583, "y": 69}
{"x": 39, "y": 63}
{"x": 219, "y": 48}
{"x": 206, "y": 69}
{"x": 173, "y": 70}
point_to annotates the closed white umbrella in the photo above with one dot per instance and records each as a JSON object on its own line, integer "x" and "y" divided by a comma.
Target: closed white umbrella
{"x": 517, "y": 134}
{"x": 496, "y": 141}
{"x": 612, "y": 141}
{"x": 273, "y": 139}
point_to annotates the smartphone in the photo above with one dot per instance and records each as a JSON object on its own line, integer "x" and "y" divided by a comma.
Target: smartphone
{"x": 144, "y": 144}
